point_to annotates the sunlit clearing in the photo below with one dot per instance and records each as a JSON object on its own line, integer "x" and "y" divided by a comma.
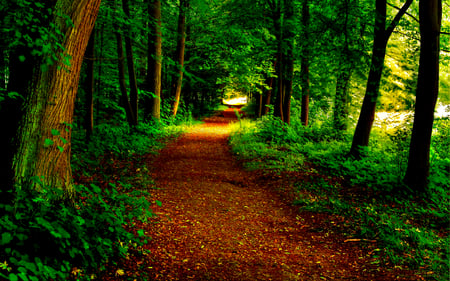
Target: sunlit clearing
{"x": 235, "y": 101}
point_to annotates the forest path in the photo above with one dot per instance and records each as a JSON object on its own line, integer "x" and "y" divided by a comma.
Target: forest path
{"x": 220, "y": 222}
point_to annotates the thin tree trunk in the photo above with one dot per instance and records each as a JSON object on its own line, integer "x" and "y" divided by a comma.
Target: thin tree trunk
{"x": 176, "y": 89}
{"x": 153, "y": 79}
{"x": 89, "y": 106}
{"x": 430, "y": 17}
{"x": 134, "y": 97}
{"x": 367, "y": 114}
{"x": 305, "y": 66}
{"x": 341, "y": 99}
{"x": 43, "y": 150}
{"x": 125, "y": 102}
{"x": 269, "y": 91}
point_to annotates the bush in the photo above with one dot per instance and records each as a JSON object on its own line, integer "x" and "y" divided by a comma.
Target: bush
{"x": 44, "y": 239}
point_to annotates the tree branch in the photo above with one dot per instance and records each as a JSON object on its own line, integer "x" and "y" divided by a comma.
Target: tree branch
{"x": 406, "y": 13}
{"x": 445, "y": 33}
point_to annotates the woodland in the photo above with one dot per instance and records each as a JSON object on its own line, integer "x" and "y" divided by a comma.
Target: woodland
{"x": 346, "y": 118}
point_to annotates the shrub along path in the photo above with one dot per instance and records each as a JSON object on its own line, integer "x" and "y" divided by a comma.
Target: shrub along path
{"x": 220, "y": 222}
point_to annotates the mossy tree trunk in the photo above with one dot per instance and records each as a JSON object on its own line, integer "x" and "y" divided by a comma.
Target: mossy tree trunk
{"x": 44, "y": 133}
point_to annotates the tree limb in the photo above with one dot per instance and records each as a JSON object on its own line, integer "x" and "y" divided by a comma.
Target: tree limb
{"x": 406, "y": 13}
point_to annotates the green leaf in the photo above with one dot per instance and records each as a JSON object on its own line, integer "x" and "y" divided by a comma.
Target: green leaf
{"x": 48, "y": 142}
{"x": 6, "y": 238}
{"x": 158, "y": 203}
{"x": 55, "y": 132}
{"x": 61, "y": 149}
{"x": 21, "y": 58}
{"x": 13, "y": 277}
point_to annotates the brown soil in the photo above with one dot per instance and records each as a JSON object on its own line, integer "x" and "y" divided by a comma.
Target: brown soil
{"x": 220, "y": 222}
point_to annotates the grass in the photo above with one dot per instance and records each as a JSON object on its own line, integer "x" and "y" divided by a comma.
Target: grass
{"x": 412, "y": 230}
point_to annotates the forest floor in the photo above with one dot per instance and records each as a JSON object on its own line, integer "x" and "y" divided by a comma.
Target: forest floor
{"x": 220, "y": 222}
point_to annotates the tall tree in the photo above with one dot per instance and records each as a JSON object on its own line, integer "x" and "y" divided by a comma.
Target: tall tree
{"x": 153, "y": 78}
{"x": 305, "y": 65}
{"x": 179, "y": 55}
{"x": 41, "y": 143}
{"x": 381, "y": 38}
{"x": 430, "y": 17}
{"x": 125, "y": 102}
{"x": 134, "y": 97}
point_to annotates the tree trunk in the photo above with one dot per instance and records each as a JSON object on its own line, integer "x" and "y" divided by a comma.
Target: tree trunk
{"x": 288, "y": 75}
{"x": 341, "y": 99}
{"x": 305, "y": 66}
{"x": 367, "y": 114}
{"x": 269, "y": 82}
{"x": 176, "y": 89}
{"x": 430, "y": 17}
{"x": 125, "y": 102}
{"x": 89, "y": 106}
{"x": 43, "y": 138}
{"x": 134, "y": 97}
{"x": 153, "y": 79}
{"x": 346, "y": 65}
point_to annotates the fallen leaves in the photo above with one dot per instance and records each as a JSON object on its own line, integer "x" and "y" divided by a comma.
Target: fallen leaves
{"x": 219, "y": 222}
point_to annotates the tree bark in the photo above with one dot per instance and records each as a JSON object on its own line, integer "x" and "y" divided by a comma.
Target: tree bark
{"x": 179, "y": 55}
{"x": 134, "y": 96}
{"x": 89, "y": 106}
{"x": 153, "y": 79}
{"x": 43, "y": 137}
{"x": 417, "y": 172}
{"x": 381, "y": 38}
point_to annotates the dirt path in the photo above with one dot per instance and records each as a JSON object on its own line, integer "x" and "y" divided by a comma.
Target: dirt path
{"x": 219, "y": 222}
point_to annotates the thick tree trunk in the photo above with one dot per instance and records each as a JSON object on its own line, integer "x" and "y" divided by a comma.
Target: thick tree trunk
{"x": 367, "y": 114}
{"x": 176, "y": 88}
{"x": 125, "y": 102}
{"x": 153, "y": 79}
{"x": 89, "y": 106}
{"x": 430, "y": 17}
{"x": 305, "y": 66}
{"x": 43, "y": 150}
{"x": 134, "y": 97}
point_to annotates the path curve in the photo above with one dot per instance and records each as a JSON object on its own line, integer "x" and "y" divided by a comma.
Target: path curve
{"x": 220, "y": 222}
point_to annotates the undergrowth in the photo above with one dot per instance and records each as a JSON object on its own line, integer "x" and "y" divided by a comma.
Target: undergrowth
{"x": 45, "y": 238}
{"x": 411, "y": 230}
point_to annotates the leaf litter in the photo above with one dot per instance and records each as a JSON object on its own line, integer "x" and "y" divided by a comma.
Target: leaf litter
{"x": 218, "y": 221}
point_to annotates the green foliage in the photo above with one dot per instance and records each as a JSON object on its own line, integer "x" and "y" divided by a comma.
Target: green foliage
{"x": 43, "y": 238}
{"x": 411, "y": 231}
